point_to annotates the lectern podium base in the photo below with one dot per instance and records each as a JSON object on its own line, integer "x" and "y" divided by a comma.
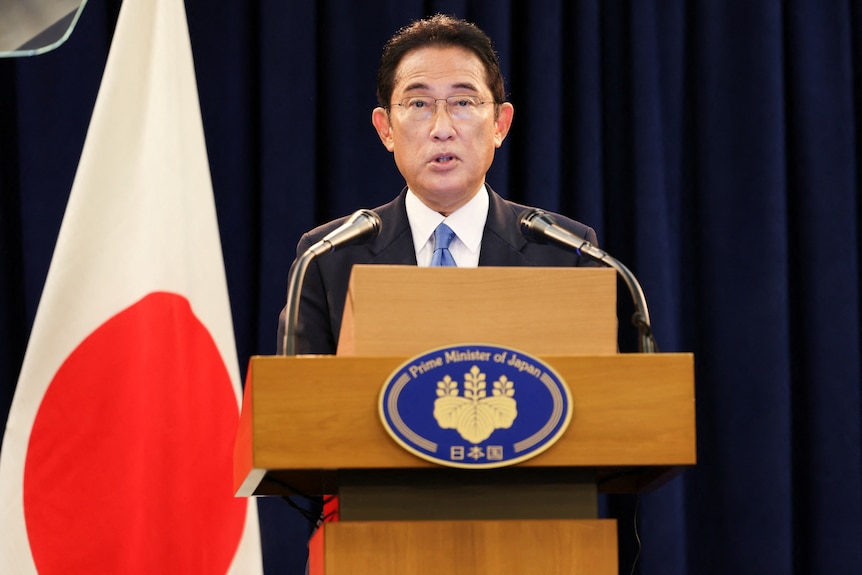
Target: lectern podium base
{"x": 311, "y": 424}
{"x": 502, "y": 547}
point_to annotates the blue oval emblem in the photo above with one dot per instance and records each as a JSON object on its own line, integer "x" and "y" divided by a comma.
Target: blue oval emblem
{"x": 475, "y": 406}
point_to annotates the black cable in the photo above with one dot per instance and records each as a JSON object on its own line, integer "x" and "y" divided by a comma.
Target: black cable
{"x": 314, "y": 519}
{"x": 637, "y": 535}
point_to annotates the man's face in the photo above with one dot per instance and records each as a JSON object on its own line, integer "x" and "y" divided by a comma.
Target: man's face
{"x": 443, "y": 159}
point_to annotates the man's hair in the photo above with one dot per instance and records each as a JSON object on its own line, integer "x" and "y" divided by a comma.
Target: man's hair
{"x": 443, "y": 31}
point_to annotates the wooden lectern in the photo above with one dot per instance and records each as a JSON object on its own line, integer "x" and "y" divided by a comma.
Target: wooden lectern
{"x": 310, "y": 425}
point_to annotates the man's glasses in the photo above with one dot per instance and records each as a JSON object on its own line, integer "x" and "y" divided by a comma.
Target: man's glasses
{"x": 420, "y": 108}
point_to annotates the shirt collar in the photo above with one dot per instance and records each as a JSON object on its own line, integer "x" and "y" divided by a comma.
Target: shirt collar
{"x": 468, "y": 221}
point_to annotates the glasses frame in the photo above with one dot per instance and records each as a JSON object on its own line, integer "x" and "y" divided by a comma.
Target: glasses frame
{"x": 449, "y": 106}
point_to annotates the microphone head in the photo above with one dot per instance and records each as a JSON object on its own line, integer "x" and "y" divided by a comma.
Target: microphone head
{"x": 372, "y": 219}
{"x": 534, "y": 222}
{"x": 362, "y": 225}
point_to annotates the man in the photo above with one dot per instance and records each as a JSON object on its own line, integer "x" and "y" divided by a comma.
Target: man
{"x": 442, "y": 114}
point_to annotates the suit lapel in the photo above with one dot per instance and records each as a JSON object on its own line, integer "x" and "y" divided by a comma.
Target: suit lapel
{"x": 502, "y": 241}
{"x": 394, "y": 244}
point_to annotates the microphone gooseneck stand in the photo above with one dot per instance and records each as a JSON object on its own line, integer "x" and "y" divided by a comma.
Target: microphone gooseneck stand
{"x": 640, "y": 318}
{"x": 294, "y": 289}
{"x": 539, "y": 226}
{"x": 361, "y": 225}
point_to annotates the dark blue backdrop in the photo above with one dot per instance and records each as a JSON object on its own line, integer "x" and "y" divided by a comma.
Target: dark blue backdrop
{"x": 713, "y": 145}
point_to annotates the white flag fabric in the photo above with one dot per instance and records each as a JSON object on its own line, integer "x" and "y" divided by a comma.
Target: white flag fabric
{"x": 117, "y": 454}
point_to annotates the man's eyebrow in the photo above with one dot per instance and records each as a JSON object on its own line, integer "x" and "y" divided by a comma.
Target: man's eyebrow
{"x": 466, "y": 86}
{"x": 423, "y": 86}
{"x": 416, "y": 86}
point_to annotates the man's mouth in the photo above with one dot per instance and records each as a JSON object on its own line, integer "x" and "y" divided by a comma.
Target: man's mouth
{"x": 443, "y": 159}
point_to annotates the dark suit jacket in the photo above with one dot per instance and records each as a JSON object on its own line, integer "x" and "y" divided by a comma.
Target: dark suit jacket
{"x": 326, "y": 280}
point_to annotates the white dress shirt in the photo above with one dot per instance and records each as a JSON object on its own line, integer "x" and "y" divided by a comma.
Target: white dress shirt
{"x": 468, "y": 223}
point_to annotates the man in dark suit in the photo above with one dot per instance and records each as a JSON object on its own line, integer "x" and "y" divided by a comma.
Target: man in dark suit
{"x": 442, "y": 114}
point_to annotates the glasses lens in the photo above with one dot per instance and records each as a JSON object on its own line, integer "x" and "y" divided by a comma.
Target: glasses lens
{"x": 421, "y": 108}
{"x": 462, "y": 107}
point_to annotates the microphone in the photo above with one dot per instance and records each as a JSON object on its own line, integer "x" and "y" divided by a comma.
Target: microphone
{"x": 540, "y": 227}
{"x": 362, "y": 225}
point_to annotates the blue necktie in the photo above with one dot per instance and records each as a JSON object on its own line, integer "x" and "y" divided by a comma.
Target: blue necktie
{"x": 442, "y": 256}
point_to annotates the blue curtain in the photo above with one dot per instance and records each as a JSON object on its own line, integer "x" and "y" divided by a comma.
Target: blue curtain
{"x": 712, "y": 144}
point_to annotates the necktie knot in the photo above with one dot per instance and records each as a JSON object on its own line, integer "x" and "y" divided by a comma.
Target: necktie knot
{"x": 442, "y": 257}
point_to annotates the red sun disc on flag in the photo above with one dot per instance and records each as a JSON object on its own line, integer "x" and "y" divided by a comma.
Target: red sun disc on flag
{"x": 129, "y": 464}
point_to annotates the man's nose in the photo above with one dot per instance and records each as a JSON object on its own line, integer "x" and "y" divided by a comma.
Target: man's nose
{"x": 443, "y": 127}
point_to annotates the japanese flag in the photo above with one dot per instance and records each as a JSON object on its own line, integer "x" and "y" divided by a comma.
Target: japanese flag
{"x": 117, "y": 453}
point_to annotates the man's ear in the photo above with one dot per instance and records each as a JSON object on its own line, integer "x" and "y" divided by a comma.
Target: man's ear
{"x": 503, "y": 122}
{"x": 380, "y": 119}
